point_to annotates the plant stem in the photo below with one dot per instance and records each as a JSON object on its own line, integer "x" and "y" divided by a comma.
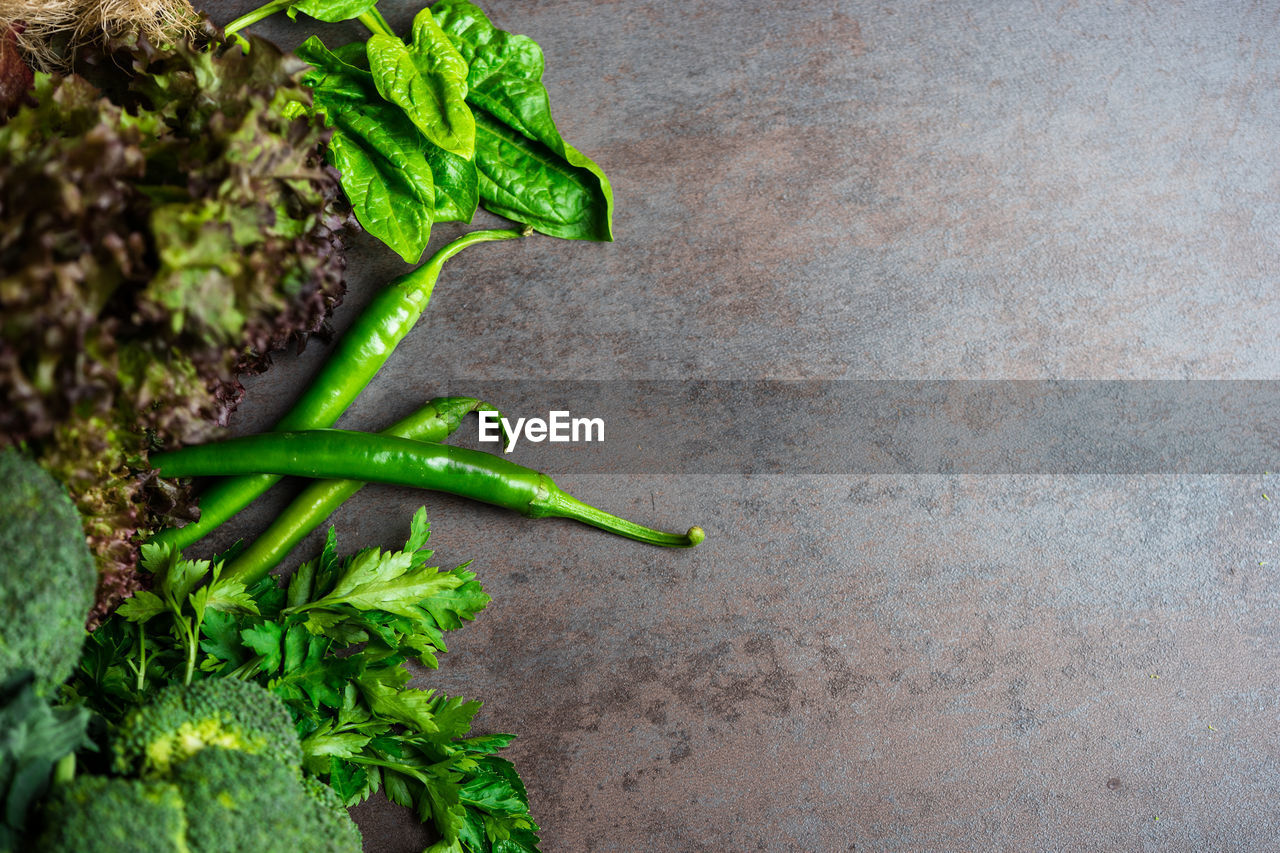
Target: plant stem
{"x": 256, "y": 15}
{"x": 193, "y": 643}
{"x": 142, "y": 657}
{"x": 375, "y": 23}
{"x": 64, "y": 771}
{"x": 565, "y": 505}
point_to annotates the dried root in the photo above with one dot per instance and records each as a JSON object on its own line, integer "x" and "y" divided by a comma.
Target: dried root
{"x": 55, "y": 27}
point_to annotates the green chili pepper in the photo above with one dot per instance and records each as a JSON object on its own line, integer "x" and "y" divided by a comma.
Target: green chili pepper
{"x": 356, "y": 359}
{"x": 310, "y": 509}
{"x": 341, "y": 454}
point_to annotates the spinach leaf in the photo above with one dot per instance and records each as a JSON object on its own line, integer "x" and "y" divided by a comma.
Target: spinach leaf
{"x": 330, "y": 11}
{"x": 457, "y": 187}
{"x": 377, "y": 151}
{"x": 527, "y": 171}
{"x": 428, "y": 80}
{"x": 390, "y": 186}
{"x": 399, "y": 183}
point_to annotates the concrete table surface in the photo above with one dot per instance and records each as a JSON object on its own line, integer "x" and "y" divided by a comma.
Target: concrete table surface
{"x": 839, "y": 190}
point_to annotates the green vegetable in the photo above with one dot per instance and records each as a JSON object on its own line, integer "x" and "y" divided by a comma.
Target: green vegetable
{"x": 47, "y": 575}
{"x": 230, "y": 749}
{"x": 182, "y": 720}
{"x": 354, "y": 362}
{"x": 47, "y": 578}
{"x": 330, "y": 814}
{"x": 434, "y": 422}
{"x": 385, "y": 170}
{"x": 421, "y": 130}
{"x": 100, "y": 814}
{"x": 403, "y": 136}
{"x": 330, "y": 11}
{"x": 161, "y": 236}
{"x": 182, "y": 598}
{"x": 34, "y": 739}
{"x": 215, "y": 801}
{"x": 331, "y": 454}
{"x": 245, "y": 801}
{"x": 428, "y": 80}
{"x": 334, "y": 646}
{"x": 527, "y": 171}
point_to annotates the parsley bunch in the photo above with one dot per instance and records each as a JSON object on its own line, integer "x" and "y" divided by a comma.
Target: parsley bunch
{"x": 334, "y": 644}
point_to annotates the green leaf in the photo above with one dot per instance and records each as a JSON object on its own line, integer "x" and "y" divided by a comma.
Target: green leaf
{"x": 389, "y": 184}
{"x": 377, "y": 151}
{"x": 33, "y": 738}
{"x": 156, "y": 557}
{"x": 221, "y": 639}
{"x": 143, "y": 606}
{"x": 367, "y": 578}
{"x": 269, "y": 596}
{"x": 456, "y": 185}
{"x": 374, "y": 580}
{"x": 177, "y": 577}
{"x": 229, "y": 594}
{"x": 351, "y": 781}
{"x": 414, "y": 708}
{"x": 302, "y": 583}
{"x": 496, "y": 787}
{"x": 324, "y": 744}
{"x": 308, "y": 675}
{"x": 527, "y": 171}
{"x": 428, "y": 80}
{"x": 453, "y": 716}
{"x": 419, "y": 532}
{"x": 331, "y": 11}
{"x": 521, "y": 841}
{"x": 397, "y": 788}
{"x": 446, "y": 846}
{"x": 486, "y": 744}
{"x": 451, "y": 607}
{"x": 266, "y": 640}
{"x": 472, "y": 834}
{"x": 442, "y": 803}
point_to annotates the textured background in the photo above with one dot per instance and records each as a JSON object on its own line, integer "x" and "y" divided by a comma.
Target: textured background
{"x": 865, "y": 190}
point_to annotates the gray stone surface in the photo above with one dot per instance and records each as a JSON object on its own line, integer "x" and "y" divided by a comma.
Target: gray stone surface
{"x": 858, "y": 190}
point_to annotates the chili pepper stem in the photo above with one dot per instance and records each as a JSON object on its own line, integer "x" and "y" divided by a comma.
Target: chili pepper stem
{"x": 561, "y": 504}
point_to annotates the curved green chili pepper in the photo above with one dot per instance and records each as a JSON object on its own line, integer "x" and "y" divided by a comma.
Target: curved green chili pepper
{"x": 356, "y": 359}
{"x": 433, "y": 422}
{"x": 341, "y": 454}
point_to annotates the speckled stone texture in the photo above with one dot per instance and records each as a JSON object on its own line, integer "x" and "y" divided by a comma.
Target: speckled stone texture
{"x": 864, "y": 190}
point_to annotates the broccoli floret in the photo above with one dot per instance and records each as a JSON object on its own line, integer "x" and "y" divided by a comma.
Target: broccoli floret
{"x": 242, "y": 801}
{"x": 223, "y": 712}
{"x": 216, "y": 801}
{"x": 101, "y": 814}
{"x": 331, "y": 817}
{"x": 47, "y": 575}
